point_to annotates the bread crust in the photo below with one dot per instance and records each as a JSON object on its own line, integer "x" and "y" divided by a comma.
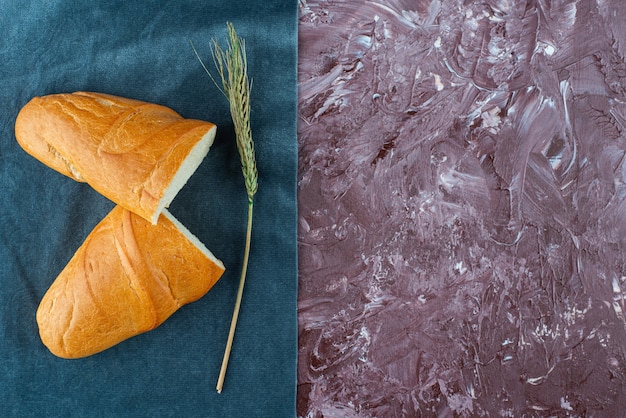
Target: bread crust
{"x": 126, "y": 278}
{"x": 127, "y": 150}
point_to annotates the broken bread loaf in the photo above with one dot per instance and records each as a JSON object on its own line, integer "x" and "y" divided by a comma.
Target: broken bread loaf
{"x": 126, "y": 278}
{"x": 137, "y": 154}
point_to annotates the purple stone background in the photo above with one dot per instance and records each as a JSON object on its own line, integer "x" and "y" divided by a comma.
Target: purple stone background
{"x": 462, "y": 208}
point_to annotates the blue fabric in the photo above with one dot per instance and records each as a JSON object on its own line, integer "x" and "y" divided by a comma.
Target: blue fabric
{"x": 141, "y": 50}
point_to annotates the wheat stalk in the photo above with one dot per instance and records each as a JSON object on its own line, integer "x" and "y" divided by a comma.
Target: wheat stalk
{"x": 232, "y": 67}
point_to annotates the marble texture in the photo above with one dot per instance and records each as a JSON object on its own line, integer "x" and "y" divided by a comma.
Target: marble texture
{"x": 462, "y": 208}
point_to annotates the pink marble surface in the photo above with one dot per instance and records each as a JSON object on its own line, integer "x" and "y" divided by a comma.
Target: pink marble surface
{"x": 462, "y": 208}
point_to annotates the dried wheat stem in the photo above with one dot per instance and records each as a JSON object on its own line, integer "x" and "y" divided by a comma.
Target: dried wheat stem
{"x": 232, "y": 67}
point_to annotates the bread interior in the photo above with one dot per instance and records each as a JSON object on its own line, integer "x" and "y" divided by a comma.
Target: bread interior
{"x": 192, "y": 238}
{"x": 187, "y": 168}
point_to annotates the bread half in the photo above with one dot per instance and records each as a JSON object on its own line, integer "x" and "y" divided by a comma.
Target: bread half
{"x": 126, "y": 278}
{"x": 137, "y": 154}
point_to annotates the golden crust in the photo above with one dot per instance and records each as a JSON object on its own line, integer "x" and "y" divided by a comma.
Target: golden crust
{"x": 126, "y": 278}
{"x": 127, "y": 150}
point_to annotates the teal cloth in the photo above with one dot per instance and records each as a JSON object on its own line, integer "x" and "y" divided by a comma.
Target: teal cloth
{"x": 142, "y": 50}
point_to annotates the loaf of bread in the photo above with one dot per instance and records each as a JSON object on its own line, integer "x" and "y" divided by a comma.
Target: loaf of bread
{"x": 125, "y": 279}
{"x": 137, "y": 154}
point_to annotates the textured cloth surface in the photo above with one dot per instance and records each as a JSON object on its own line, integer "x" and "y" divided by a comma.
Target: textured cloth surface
{"x": 142, "y": 50}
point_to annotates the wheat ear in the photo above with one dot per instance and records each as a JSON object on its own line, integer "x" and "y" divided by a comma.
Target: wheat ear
{"x": 232, "y": 67}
